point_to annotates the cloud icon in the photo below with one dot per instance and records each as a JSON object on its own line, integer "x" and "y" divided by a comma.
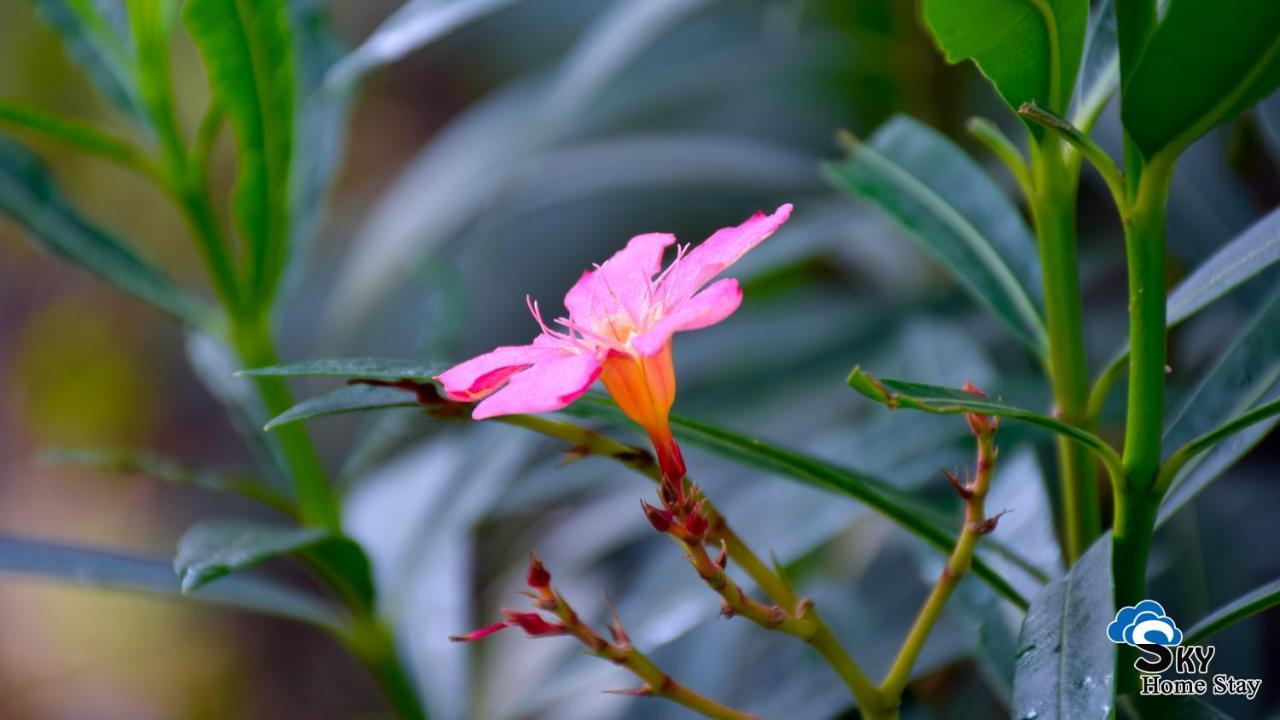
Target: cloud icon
{"x": 1144, "y": 624}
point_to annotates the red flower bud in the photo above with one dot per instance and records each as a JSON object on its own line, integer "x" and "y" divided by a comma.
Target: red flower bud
{"x": 481, "y": 633}
{"x": 660, "y": 519}
{"x": 532, "y": 623}
{"x": 973, "y": 389}
{"x": 696, "y": 522}
{"x": 538, "y": 577}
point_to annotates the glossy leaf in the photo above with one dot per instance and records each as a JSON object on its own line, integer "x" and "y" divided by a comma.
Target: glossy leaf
{"x": 414, "y": 25}
{"x": 97, "y": 38}
{"x": 1028, "y": 50}
{"x": 1246, "y": 376}
{"x": 214, "y": 549}
{"x": 1246, "y": 606}
{"x": 374, "y": 368}
{"x": 946, "y": 401}
{"x": 352, "y": 398}
{"x": 956, "y": 212}
{"x": 245, "y": 45}
{"x": 1100, "y": 67}
{"x": 29, "y": 195}
{"x": 1243, "y": 258}
{"x": 97, "y": 568}
{"x": 1178, "y": 92}
{"x": 126, "y": 461}
{"x": 1065, "y": 661}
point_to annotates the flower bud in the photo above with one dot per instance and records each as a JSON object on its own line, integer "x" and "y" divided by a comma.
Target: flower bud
{"x": 660, "y": 519}
{"x": 481, "y": 633}
{"x": 538, "y": 577}
{"x": 532, "y": 623}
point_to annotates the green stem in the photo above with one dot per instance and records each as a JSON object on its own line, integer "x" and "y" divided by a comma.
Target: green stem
{"x": 316, "y": 502}
{"x": 373, "y": 642}
{"x": 1054, "y": 210}
{"x": 1136, "y": 501}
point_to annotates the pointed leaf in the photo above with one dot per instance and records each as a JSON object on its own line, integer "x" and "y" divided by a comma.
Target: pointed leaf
{"x": 1247, "y": 376}
{"x": 375, "y": 368}
{"x": 216, "y": 548}
{"x": 97, "y": 568}
{"x": 1243, "y": 258}
{"x": 29, "y": 195}
{"x": 1246, "y": 606}
{"x": 1028, "y": 50}
{"x": 352, "y": 398}
{"x": 956, "y": 212}
{"x": 1100, "y": 69}
{"x": 947, "y": 401}
{"x": 245, "y": 45}
{"x": 1065, "y": 661}
{"x": 1178, "y": 92}
{"x": 97, "y": 38}
{"x": 415, "y": 25}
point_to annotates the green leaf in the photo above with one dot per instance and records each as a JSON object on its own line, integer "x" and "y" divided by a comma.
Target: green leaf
{"x": 902, "y": 508}
{"x": 96, "y": 568}
{"x": 245, "y": 45}
{"x": 29, "y": 195}
{"x": 1247, "y": 376}
{"x": 414, "y": 25}
{"x": 957, "y": 213}
{"x": 74, "y": 134}
{"x": 1028, "y": 49}
{"x": 1167, "y": 707}
{"x": 1240, "y": 260}
{"x": 1246, "y": 606}
{"x": 1178, "y": 92}
{"x": 97, "y": 39}
{"x": 947, "y": 401}
{"x": 1065, "y": 662}
{"x": 216, "y": 548}
{"x": 374, "y": 368}
{"x": 128, "y": 461}
{"x": 352, "y": 398}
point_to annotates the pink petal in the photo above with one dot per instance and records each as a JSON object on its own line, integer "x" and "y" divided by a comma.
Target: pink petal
{"x": 706, "y": 308}
{"x": 718, "y": 252}
{"x": 620, "y": 284}
{"x": 549, "y": 384}
{"x": 485, "y": 373}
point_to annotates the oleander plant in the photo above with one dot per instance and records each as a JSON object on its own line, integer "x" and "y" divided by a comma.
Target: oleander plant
{"x": 655, "y": 358}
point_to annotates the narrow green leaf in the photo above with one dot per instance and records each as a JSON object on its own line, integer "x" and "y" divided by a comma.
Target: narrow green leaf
{"x": 1246, "y": 606}
{"x": 97, "y": 568}
{"x": 956, "y": 212}
{"x": 1028, "y": 49}
{"x": 374, "y": 368}
{"x": 245, "y": 45}
{"x": 947, "y": 401}
{"x": 96, "y": 38}
{"x": 1100, "y": 68}
{"x": 349, "y": 399}
{"x": 415, "y": 25}
{"x": 1246, "y": 377}
{"x": 1240, "y": 260}
{"x": 128, "y": 461}
{"x": 29, "y": 195}
{"x": 40, "y": 123}
{"x": 216, "y": 548}
{"x": 1178, "y": 92}
{"x": 1065, "y": 661}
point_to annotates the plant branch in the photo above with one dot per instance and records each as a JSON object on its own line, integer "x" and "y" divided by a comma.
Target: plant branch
{"x": 77, "y": 135}
{"x": 989, "y": 134}
{"x": 976, "y": 524}
{"x": 1101, "y": 161}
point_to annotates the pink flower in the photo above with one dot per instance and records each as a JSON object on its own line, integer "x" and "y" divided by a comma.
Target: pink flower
{"x": 621, "y": 318}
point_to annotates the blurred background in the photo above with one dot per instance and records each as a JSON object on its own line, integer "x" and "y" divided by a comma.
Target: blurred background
{"x": 501, "y": 160}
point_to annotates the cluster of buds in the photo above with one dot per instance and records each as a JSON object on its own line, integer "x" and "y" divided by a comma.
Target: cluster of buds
{"x": 973, "y": 490}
